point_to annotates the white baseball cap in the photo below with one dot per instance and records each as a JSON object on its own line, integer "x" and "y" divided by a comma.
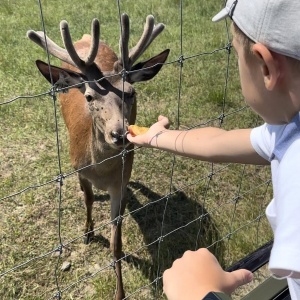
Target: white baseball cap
{"x": 273, "y": 23}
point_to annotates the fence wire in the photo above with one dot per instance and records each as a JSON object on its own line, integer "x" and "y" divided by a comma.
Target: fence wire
{"x": 217, "y": 216}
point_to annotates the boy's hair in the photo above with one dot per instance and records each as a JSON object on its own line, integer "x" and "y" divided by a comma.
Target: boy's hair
{"x": 269, "y": 22}
{"x": 242, "y": 38}
{"x": 247, "y": 44}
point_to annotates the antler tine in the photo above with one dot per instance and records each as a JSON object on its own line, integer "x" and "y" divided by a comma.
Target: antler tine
{"x": 137, "y": 51}
{"x": 95, "y": 42}
{"x": 46, "y": 43}
{"x": 124, "y": 38}
{"x": 66, "y": 37}
{"x": 156, "y": 31}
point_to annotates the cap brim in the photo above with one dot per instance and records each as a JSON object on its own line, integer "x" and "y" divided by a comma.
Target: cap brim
{"x": 221, "y": 15}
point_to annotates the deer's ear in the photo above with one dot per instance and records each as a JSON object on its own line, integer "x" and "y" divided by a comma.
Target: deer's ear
{"x": 61, "y": 77}
{"x": 146, "y": 70}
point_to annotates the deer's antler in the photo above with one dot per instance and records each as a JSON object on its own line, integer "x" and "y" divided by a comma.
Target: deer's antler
{"x": 151, "y": 31}
{"x": 69, "y": 54}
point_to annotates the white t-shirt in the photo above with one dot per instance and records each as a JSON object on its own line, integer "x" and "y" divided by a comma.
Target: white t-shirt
{"x": 280, "y": 144}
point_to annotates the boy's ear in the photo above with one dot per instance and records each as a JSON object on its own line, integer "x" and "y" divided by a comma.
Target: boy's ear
{"x": 270, "y": 65}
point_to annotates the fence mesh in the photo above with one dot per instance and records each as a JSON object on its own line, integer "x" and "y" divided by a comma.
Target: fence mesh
{"x": 174, "y": 203}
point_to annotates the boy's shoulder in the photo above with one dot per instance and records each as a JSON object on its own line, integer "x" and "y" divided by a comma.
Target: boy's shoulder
{"x": 285, "y": 136}
{"x": 272, "y": 141}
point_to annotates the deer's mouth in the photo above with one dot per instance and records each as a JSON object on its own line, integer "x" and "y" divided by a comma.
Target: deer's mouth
{"x": 118, "y": 141}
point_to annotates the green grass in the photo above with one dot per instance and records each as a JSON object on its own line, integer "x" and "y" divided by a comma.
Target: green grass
{"x": 28, "y": 158}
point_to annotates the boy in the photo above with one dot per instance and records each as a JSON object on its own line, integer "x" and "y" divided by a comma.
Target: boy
{"x": 266, "y": 37}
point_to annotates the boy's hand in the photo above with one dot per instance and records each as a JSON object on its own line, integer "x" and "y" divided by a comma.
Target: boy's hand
{"x": 135, "y": 130}
{"x": 150, "y": 135}
{"x": 197, "y": 273}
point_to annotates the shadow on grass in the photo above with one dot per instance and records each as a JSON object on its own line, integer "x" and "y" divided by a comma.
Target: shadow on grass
{"x": 170, "y": 226}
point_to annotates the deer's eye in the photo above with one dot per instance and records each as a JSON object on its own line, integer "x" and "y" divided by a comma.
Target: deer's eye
{"x": 88, "y": 98}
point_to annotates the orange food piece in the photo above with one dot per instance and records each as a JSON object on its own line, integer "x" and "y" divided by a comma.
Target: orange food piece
{"x": 137, "y": 130}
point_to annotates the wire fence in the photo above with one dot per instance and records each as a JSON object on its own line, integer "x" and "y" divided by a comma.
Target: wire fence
{"x": 174, "y": 203}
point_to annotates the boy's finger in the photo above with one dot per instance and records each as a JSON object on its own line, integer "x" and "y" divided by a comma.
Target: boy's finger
{"x": 164, "y": 121}
{"x": 240, "y": 277}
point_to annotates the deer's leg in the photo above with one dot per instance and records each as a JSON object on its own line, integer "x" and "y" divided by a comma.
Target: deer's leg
{"x": 118, "y": 204}
{"x": 89, "y": 197}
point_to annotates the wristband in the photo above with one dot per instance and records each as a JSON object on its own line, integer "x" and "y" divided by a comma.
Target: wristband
{"x": 216, "y": 296}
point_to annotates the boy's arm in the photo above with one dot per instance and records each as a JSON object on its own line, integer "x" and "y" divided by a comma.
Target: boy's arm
{"x": 208, "y": 144}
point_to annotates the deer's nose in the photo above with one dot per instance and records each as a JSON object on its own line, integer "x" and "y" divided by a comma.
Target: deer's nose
{"x": 118, "y": 137}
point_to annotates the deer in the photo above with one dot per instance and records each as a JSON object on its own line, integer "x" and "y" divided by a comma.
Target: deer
{"x": 98, "y": 103}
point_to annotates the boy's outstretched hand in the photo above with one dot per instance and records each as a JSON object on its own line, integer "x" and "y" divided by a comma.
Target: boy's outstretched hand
{"x": 197, "y": 273}
{"x": 150, "y": 135}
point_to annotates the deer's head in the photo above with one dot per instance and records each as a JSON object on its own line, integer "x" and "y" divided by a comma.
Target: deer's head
{"x": 104, "y": 79}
